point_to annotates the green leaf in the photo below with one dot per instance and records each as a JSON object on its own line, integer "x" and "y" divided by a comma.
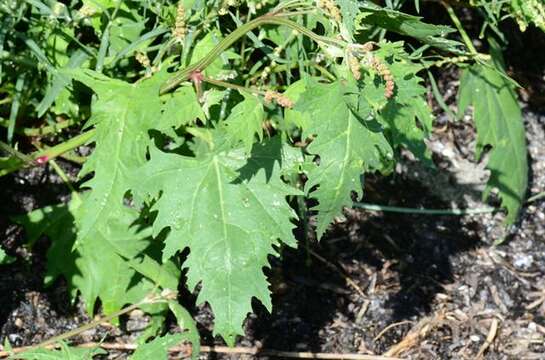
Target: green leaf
{"x": 292, "y": 117}
{"x": 157, "y": 348}
{"x": 401, "y": 122}
{"x": 204, "y": 46}
{"x": 529, "y": 11}
{"x": 124, "y": 31}
{"x": 229, "y": 219}
{"x": 103, "y": 272}
{"x": 103, "y": 266}
{"x": 498, "y": 119}
{"x": 5, "y": 259}
{"x": 188, "y": 326}
{"x": 122, "y": 115}
{"x": 409, "y": 25}
{"x": 406, "y": 117}
{"x": 349, "y": 11}
{"x": 245, "y": 121}
{"x": 59, "y": 81}
{"x": 65, "y": 353}
{"x": 57, "y": 223}
{"x": 347, "y": 142}
{"x": 180, "y": 108}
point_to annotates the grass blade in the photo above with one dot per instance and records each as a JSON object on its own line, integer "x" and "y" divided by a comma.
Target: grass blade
{"x": 134, "y": 45}
{"x": 59, "y": 81}
{"x": 15, "y": 106}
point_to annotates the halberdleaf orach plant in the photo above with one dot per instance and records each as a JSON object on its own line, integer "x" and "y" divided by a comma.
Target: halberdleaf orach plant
{"x": 205, "y": 119}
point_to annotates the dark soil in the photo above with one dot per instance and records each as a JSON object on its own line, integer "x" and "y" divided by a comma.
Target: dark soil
{"x": 423, "y": 287}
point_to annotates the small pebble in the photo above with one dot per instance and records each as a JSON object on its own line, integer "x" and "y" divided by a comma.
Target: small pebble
{"x": 18, "y": 323}
{"x": 475, "y": 338}
{"x": 13, "y": 338}
{"x": 523, "y": 261}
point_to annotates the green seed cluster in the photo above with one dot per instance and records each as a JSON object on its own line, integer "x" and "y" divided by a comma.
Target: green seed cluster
{"x": 355, "y": 51}
{"x": 384, "y": 72}
{"x": 330, "y": 8}
{"x": 143, "y": 59}
{"x": 180, "y": 26}
{"x": 280, "y": 99}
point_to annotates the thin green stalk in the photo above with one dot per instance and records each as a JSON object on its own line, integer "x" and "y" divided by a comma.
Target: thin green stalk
{"x": 45, "y": 130}
{"x": 62, "y": 175}
{"x": 48, "y": 154}
{"x": 536, "y": 197}
{"x": 456, "y": 21}
{"x": 286, "y": 67}
{"x": 14, "y": 152}
{"x": 15, "y": 106}
{"x": 229, "y": 40}
{"x": 228, "y": 85}
{"x": 65, "y": 179}
{"x": 439, "y": 97}
{"x": 66, "y": 146}
{"x": 73, "y": 157}
{"x": 406, "y": 210}
{"x": 92, "y": 324}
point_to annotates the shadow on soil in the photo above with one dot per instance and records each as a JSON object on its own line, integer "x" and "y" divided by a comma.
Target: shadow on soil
{"x": 417, "y": 250}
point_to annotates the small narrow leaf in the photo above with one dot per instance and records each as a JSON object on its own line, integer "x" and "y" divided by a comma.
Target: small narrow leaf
{"x": 65, "y": 353}
{"x": 157, "y": 348}
{"x": 409, "y": 25}
{"x": 188, "y": 326}
{"x": 5, "y": 259}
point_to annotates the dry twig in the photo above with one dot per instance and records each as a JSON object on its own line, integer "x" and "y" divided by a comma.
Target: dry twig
{"x": 185, "y": 350}
{"x": 418, "y": 332}
{"x": 489, "y": 338}
{"x": 348, "y": 280}
{"x": 390, "y": 327}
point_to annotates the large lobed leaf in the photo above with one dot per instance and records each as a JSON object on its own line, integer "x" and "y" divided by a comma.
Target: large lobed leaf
{"x": 499, "y": 124}
{"x": 348, "y": 142}
{"x": 98, "y": 267}
{"x": 229, "y": 210}
{"x": 122, "y": 115}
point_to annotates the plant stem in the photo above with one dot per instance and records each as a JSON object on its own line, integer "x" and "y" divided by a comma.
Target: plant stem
{"x": 51, "y": 152}
{"x": 49, "y": 129}
{"x": 228, "y": 85}
{"x": 286, "y": 67}
{"x": 229, "y": 40}
{"x": 405, "y": 210}
{"x": 66, "y": 146}
{"x": 85, "y": 327}
{"x": 536, "y": 197}
{"x": 456, "y": 21}
{"x": 65, "y": 179}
